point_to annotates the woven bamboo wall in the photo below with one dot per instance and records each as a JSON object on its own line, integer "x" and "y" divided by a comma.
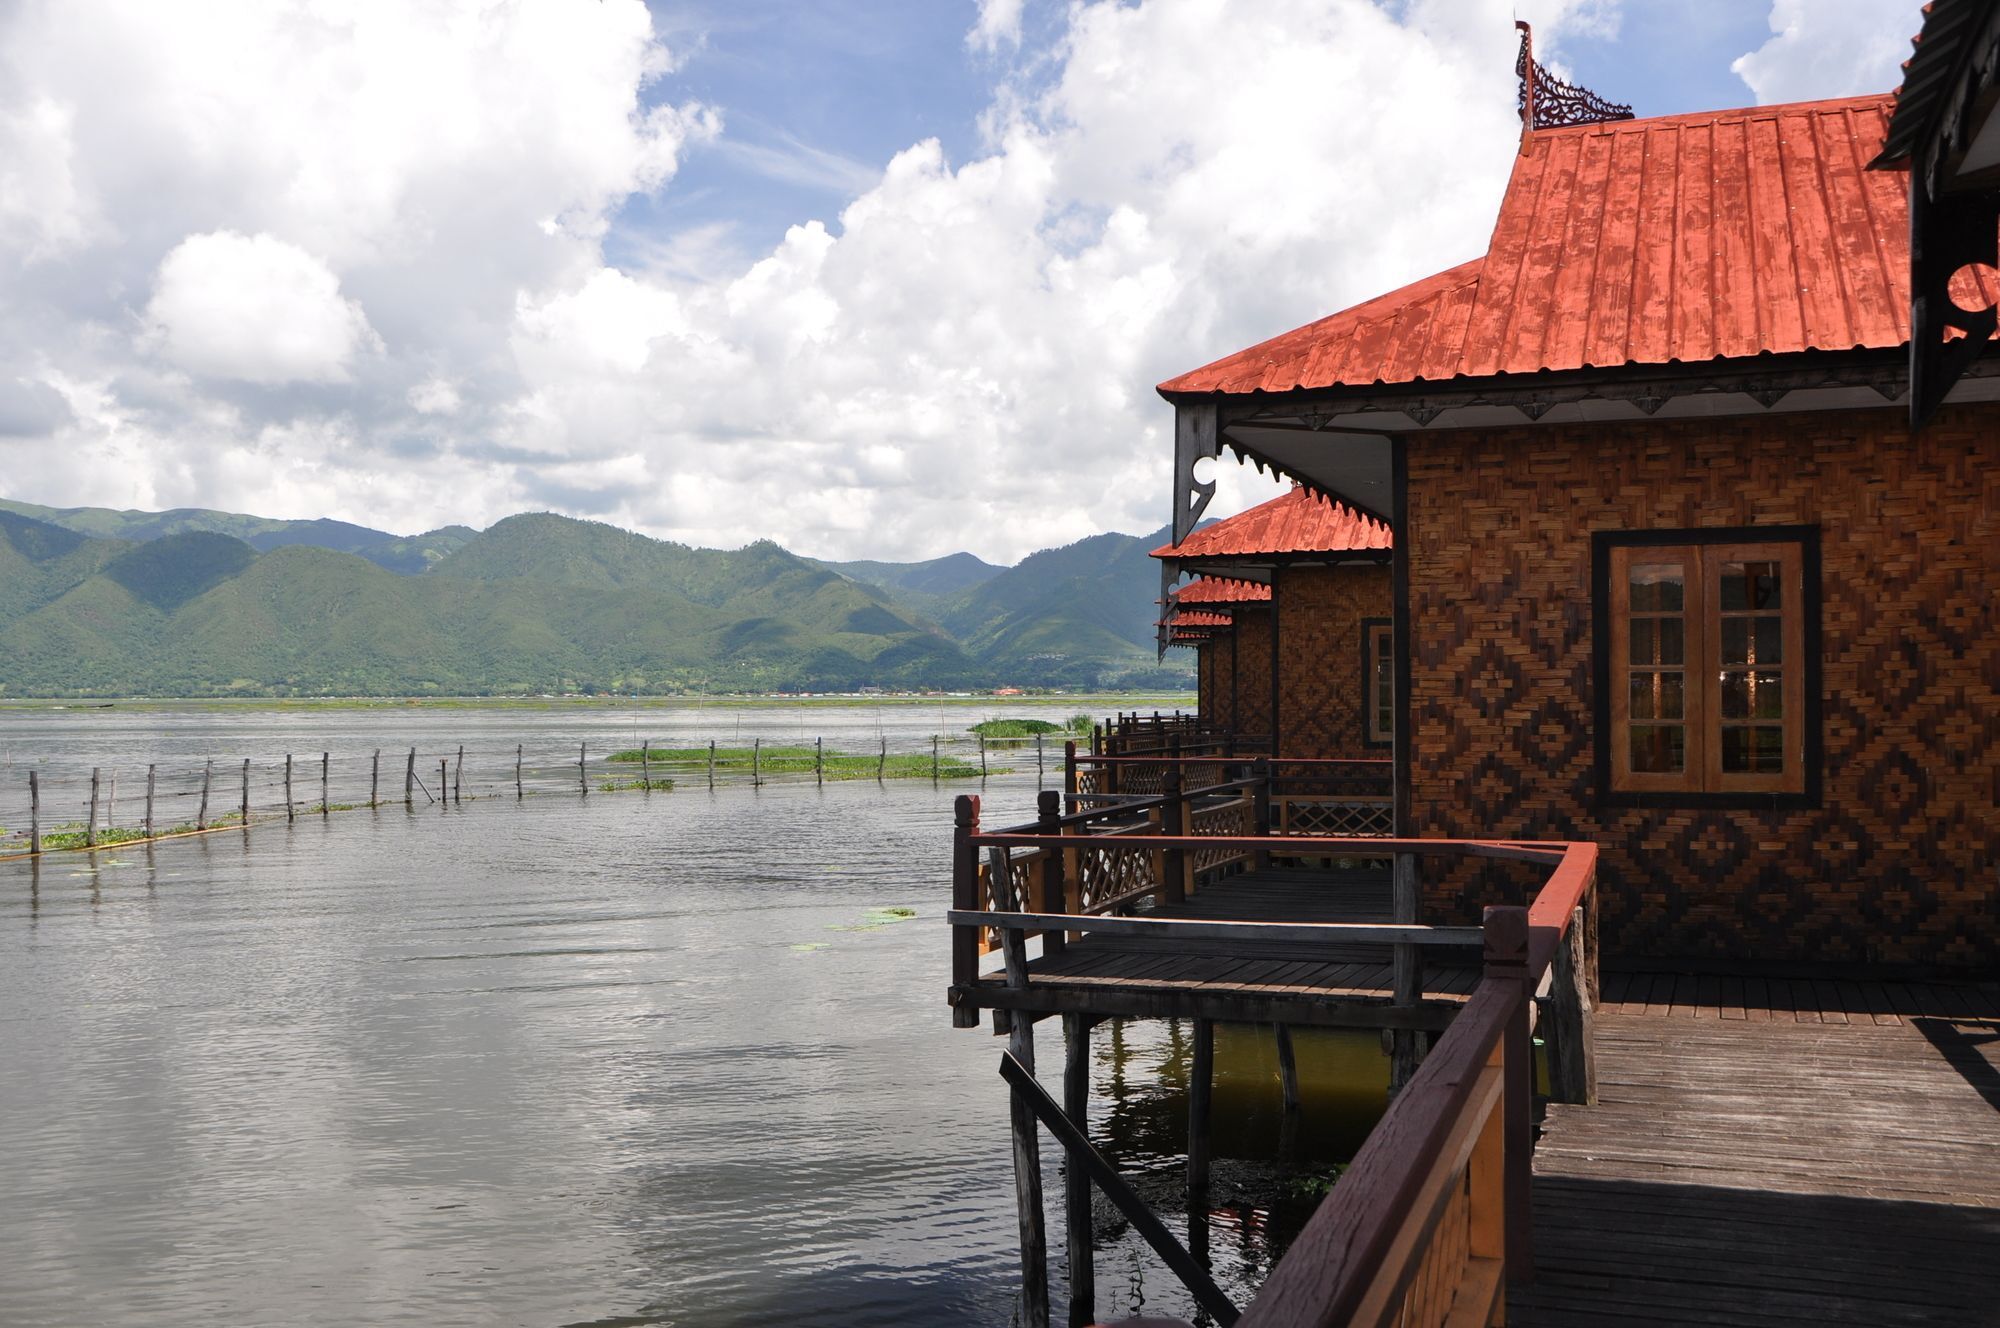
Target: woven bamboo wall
{"x": 1204, "y": 680}
{"x": 1253, "y": 668}
{"x": 1222, "y": 654}
{"x": 1320, "y": 694}
{"x": 1899, "y": 862}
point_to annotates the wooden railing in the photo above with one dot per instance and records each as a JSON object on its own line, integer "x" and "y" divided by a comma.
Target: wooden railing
{"x": 1431, "y": 1221}
{"x": 1306, "y": 796}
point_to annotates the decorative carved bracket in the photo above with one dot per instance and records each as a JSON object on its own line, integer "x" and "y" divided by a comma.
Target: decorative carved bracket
{"x": 1946, "y": 234}
{"x": 1196, "y": 437}
{"x": 1547, "y": 102}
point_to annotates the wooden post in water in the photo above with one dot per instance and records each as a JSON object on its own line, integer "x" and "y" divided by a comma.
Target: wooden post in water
{"x": 1038, "y": 758}
{"x": 882, "y": 761}
{"x": 819, "y": 754}
{"x": 711, "y": 763}
{"x": 1028, "y": 1204}
{"x": 375, "y": 779}
{"x": 410, "y": 780}
{"x": 458, "y": 776}
{"x": 982, "y": 756}
{"x": 150, "y": 772}
{"x": 242, "y": 812}
{"x": 582, "y": 781}
{"x": 34, "y": 812}
{"x": 444, "y": 771}
{"x": 519, "y": 793}
{"x": 646, "y": 765}
{"x": 325, "y": 800}
{"x": 1407, "y": 974}
{"x": 90, "y": 826}
{"x": 1201, "y": 1092}
{"x": 289, "y": 814}
{"x": 1076, "y": 1179}
{"x": 965, "y": 897}
{"x": 1288, "y": 1070}
{"x": 756, "y": 762}
{"x": 934, "y": 758}
{"x": 111, "y": 804}
{"x": 201, "y": 816}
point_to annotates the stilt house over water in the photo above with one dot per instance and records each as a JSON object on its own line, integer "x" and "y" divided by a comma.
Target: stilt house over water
{"x": 1675, "y": 573}
{"x": 1689, "y": 493}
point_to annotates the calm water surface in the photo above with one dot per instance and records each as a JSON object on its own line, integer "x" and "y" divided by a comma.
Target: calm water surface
{"x": 625, "y": 1059}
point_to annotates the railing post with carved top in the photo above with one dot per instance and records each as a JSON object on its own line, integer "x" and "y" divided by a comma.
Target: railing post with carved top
{"x": 1506, "y": 958}
{"x": 1173, "y": 862}
{"x": 1048, "y": 821}
{"x": 964, "y": 895}
{"x": 1262, "y": 774}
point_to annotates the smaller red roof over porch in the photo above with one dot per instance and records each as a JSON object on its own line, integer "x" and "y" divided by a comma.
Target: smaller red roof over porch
{"x": 1299, "y": 522}
{"x": 1222, "y": 590}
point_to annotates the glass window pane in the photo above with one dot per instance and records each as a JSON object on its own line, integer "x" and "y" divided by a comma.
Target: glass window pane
{"x": 1768, "y": 750}
{"x": 1645, "y": 641}
{"x": 1735, "y": 750}
{"x": 1643, "y": 687}
{"x": 1756, "y": 750}
{"x": 1750, "y": 585}
{"x": 1736, "y": 641}
{"x": 1768, "y": 695}
{"x": 1657, "y": 588}
{"x": 1670, "y": 640}
{"x": 1736, "y": 696}
{"x": 1670, "y": 696}
{"x": 1659, "y": 749}
{"x": 1770, "y": 640}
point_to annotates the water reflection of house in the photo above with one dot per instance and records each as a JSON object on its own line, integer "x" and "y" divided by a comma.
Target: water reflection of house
{"x": 1675, "y": 574}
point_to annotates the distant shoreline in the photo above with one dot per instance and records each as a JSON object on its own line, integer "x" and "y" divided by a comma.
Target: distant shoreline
{"x": 1080, "y": 700}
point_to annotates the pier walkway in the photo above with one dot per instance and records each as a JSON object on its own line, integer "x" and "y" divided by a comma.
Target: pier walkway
{"x": 1775, "y": 1152}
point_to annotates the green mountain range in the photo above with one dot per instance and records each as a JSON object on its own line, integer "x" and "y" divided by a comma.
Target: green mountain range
{"x": 194, "y": 602}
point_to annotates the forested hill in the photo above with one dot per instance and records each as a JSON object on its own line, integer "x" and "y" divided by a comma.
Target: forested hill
{"x": 192, "y": 602}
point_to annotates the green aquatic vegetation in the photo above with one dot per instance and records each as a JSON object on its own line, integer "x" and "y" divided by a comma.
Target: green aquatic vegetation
{"x": 807, "y": 947}
{"x": 1316, "y": 1184}
{"x": 60, "y": 839}
{"x": 798, "y": 760}
{"x": 875, "y": 919}
{"x": 636, "y": 785}
{"x": 1010, "y": 729}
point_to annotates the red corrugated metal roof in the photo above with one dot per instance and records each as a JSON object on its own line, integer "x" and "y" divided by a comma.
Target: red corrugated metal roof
{"x": 1681, "y": 238}
{"x": 1301, "y": 521}
{"x": 1221, "y": 590}
{"x": 1196, "y": 618}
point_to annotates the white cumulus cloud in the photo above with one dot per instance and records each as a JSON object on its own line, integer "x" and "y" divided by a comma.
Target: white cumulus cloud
{"x": 255, "y": 309}
{"x": 1830, "y": 48}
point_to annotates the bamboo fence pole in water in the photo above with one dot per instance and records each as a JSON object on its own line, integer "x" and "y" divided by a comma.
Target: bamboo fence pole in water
{"x": 325, "y": 803}
{"x": 150, "y": 770}
{"x": 207, "y": 772}
{"x": 582, "y": 782}
{"x": 410, "y": 780}
{"x": 444, "y": 768}
{"x": 934, "y": 758}
{"x": 882, "y": 761}
{"x": 819, "y": 776}
{"x": 982, "y": 756}
{"x": 1038, "y": 757}
{"x": 243, "y": 812}
{"x": 375, "y": 780}
{"x": 517, "y": 773}
{"x": 756, "y": 762}
{"x": 711, "y": 763}
{"x": 90, "y": 825}
{"x": 34, "y": 812}
{"x": 111, "y": 804}
{"x": 288, "y": 787}
{"x": 458, "y": 776}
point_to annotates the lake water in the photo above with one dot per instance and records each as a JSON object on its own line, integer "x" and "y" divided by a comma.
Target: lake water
{"x": 623, "y": 1059}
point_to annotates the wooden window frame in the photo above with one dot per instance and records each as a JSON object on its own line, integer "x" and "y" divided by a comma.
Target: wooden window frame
{"x": 1373, "y": 631}
{"x": 1702, "y": 782}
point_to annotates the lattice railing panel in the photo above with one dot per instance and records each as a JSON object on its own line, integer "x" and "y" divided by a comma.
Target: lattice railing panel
{"x": 1235, "y": 818}
{"x": 1022, "y": 871}
{"x": 1105, "y": 871}
{"x": 1336, "y": 816}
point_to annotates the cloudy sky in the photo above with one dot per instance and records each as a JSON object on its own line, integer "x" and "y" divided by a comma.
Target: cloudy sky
{"x": 874, "y": 278}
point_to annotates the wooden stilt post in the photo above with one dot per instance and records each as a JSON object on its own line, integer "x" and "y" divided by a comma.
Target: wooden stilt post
{"x": 458, "y": 776}
{"x": 982, "y": 756}
{"x": 1201, "y": 1091}
{"x": 1407, "y": 973}
{"x": 410, "y": 779}
{"x": 711, "y": 763}
{"x": 519, "y": 793}
{"x": 646, "y": 765}
{"x": 34, "y": 812}
{"x": 1568, "y": 1018}
{"x": 756, "y": 762}
{"x": 444, "y": 780}
{"x": 1038, "y": 758}
{"x": 90, "y": 823}
{"x": 1028, "y": 1203}
{"x": 325, "y": 797}
{"x": 1288, "y": 1070}
{"x": 375, "y": 780}
{"x": 1076, "y": 1179}
{"x": 934, "y": 758}
{"x": 201, "y": 816}
{"x": 151, "y": 773}
{"x": 582, "y": 782}
{"x": 289, "y": 813}
{"x": 242, "y": 811}
{"x": 819, "y": 760}
{"x": 882, "y": 761}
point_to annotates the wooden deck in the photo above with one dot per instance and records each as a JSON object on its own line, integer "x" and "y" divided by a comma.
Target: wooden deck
{"x": 1247, "y": 981}
{"x": 1775, "y": 1151}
